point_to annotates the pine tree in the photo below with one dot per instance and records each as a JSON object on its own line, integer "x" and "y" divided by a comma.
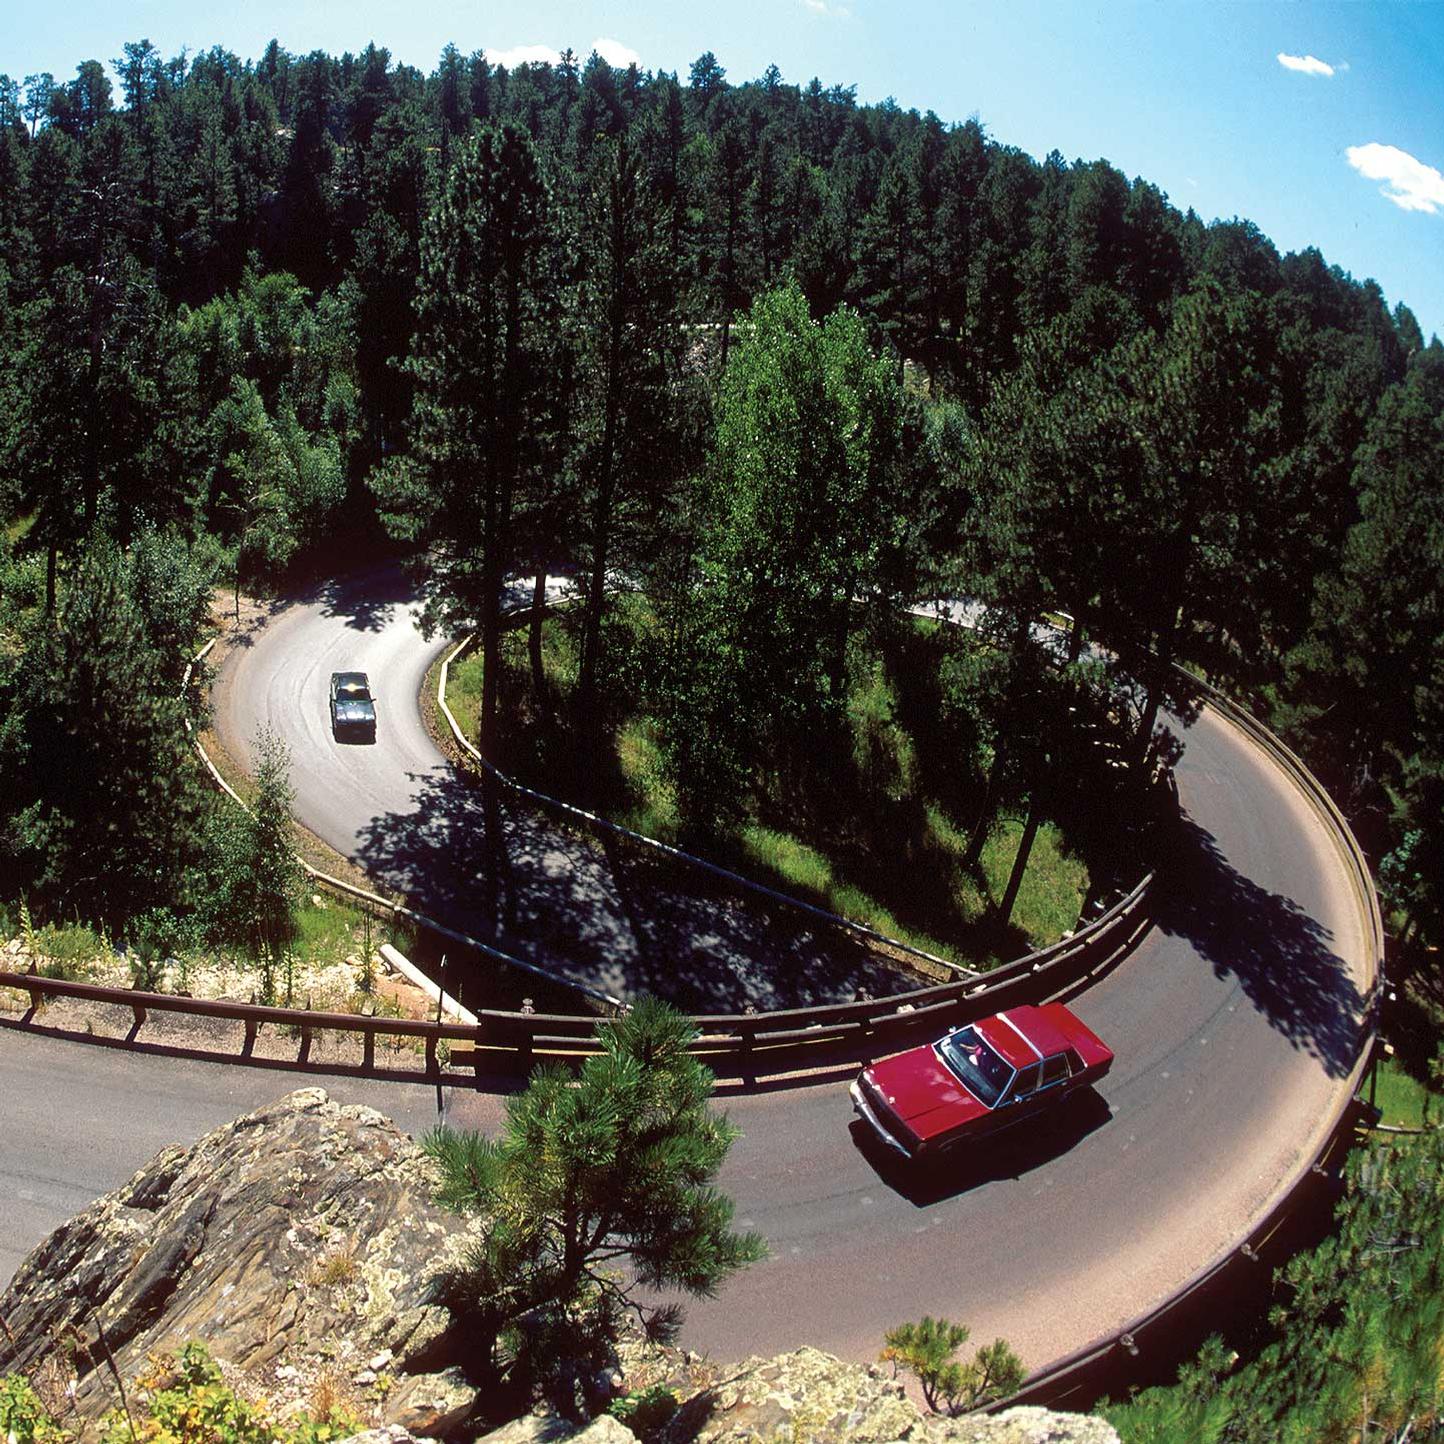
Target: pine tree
{"x": 477, "y": 367}
{"x": 270, "y": 885}
{"x": 612, "y": 1169}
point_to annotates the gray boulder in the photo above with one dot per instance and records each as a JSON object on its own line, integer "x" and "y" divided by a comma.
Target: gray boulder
{"x": 297, "y": 1241}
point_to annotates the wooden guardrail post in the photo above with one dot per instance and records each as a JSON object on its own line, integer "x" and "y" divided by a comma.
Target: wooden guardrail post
{"x": 749, "y": 1039}
{"x": 249, "y": 1046}
{"x": 526, "y": 1049}
{"x": 864, "y": 1023}
{"x": 368, "y": 1049}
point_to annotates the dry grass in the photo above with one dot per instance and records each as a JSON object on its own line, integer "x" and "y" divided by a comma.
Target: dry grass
{"x": 335, "y": 1268}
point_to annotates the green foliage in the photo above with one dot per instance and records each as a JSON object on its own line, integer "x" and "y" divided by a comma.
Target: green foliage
{"x": 191, "y": 1403}
{"x": 185, "y": 1400}
{"x": 615, "y": 1167}
{"x": 154, "y": 937}
{"x": 22, "y": 1415}
{"x": 171, "y": 579}
{"x": 479, "y": 404}
{"x": 928, "y": 1349}
{"x": 103, "y": 808}
{"x": 794, "y": 516}
{"x": 270, "y": 884}
{"x": 1356, "y": 1333}
{"x": 210, "y": 281}
{"x": 67, "y": 950}
{"x": 645, "y": 1412}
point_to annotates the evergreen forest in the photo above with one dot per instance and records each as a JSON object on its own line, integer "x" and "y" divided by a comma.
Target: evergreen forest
{"x": 779, "y": 363}
{"x": 503, "y": 320}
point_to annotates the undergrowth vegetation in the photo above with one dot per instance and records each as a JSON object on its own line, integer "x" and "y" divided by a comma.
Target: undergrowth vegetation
{"x": 1352, "y": 1350}
{"x": 184, "y": 1399}
{"x": 872, "y": 823}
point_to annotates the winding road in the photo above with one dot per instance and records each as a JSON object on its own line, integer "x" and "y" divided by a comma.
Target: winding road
{"x": 1236, "y": 1024}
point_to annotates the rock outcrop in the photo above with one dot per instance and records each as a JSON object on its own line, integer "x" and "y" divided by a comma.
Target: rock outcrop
{"x": 811, "y": 1396}
{"x": 298, "y": 1242}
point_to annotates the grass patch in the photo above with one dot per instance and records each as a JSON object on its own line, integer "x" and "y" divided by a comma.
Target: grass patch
{"x": 1402, "y": 1100}
{"x": 327, "y": 931}
{"x": 1054, "y": 885}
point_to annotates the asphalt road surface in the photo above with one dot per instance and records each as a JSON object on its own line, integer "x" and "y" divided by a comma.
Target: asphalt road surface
{"x": 1235, "y": 1025}
{"x": 620, "y": 921}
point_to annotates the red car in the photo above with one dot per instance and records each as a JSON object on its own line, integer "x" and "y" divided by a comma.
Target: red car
{"x": 980, "y": 1078}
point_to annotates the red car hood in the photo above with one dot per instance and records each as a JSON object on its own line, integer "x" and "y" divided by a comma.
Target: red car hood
{"x": 923, "y": 1093}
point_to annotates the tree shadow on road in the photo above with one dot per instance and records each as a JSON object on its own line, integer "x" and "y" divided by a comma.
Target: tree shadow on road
{"x": 1280, "y": 955}
{"x": 367, "y": 608}
{"x": 496, "y": 867}
{"x": 1011, "y": 1154}
{"x": 257, "y": 616}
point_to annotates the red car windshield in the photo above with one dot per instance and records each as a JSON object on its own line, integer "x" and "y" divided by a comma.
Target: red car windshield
{"x": 980, "y": 1070}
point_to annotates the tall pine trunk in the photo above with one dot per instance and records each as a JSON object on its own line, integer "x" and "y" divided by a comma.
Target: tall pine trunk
{"x": 1020, "y": 862}
{"x": 984, "y": 825}
{"x": 534, "y": 635}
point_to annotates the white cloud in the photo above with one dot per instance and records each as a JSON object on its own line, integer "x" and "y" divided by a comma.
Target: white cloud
{"x": 524, "y": 55}
{"x": 615, "y": 53}
{"x": 1409, "y": 183}
{"x": 1306, "y": 64}
{"x": 824, "y": 7}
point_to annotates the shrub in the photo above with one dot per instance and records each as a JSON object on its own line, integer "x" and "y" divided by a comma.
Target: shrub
{"x": 927, "y": 1350}
{"x": 190, "y": 1403}
{"x": 68, "y": 944}
{"x": 22, "y": 1416}
{"x": 645, "y": 1412}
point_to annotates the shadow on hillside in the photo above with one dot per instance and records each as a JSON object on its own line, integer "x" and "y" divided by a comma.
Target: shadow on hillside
{"x": 1279, "y": 954}
{"x": 487, "y": 864}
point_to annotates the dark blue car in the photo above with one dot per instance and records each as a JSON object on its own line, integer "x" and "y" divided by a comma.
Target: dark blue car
{"x": 353, "y": 710}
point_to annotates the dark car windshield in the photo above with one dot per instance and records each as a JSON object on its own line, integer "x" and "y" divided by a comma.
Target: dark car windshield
{"x": 982, "y": 1072}
{"x": 353, "y": 691}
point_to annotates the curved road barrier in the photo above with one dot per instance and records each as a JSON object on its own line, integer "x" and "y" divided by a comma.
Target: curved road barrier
{"x": 1087, "y": 1371}
{"x": 744, "y": 1045}
{"x": 1255, "y": 970}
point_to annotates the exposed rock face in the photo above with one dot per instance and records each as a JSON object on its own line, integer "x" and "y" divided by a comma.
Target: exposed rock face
{"x": 551, "y": 1430}
{"x": 297, "y": 1241}
{"x": 1023, "y": 1426}
{"x": 811, "y": 1396}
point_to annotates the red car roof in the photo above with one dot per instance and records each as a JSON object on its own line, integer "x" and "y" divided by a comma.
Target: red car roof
{"x": 1049, "y": 1029}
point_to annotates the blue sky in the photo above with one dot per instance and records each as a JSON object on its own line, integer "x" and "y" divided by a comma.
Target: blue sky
{"x": 1192, "y": 96}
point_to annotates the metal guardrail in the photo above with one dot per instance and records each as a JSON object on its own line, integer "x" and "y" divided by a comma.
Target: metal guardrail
{"x": 742, "y": 1045}
{"x": 734, "y": 1045}
{"x": 1057, "y": 1381}
{"x": 793, "y": 1041}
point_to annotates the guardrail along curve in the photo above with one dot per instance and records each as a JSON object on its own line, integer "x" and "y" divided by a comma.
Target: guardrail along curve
{"x": 746, "y": 1045}
{"x": 734, "y": 1045}
{"x": 1063, "y": 1378}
